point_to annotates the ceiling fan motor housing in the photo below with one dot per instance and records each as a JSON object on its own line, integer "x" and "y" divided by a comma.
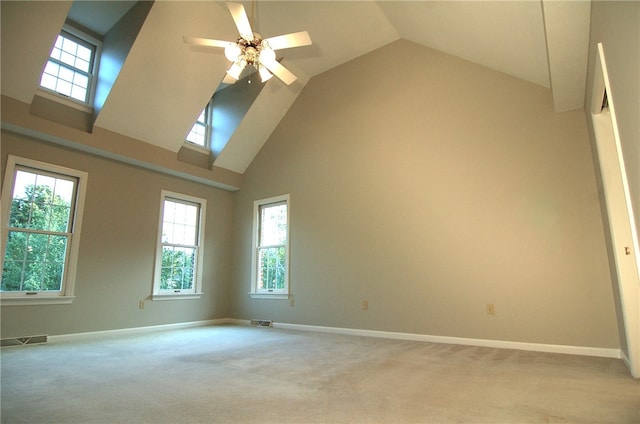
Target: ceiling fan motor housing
{"x": 250, "y": 50}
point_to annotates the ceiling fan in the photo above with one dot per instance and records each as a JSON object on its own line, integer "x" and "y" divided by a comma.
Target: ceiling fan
{"x": 251, "y": 49}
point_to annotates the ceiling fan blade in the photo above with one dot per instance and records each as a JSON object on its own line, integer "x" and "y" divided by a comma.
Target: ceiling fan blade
{"x": 242, "y": 21}
{"x": 280, "y": 71}
{"x": 205, "y": 42}
{"x": 295, "y": 39}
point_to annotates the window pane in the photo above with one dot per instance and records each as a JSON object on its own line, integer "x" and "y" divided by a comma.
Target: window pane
{"x": 66, "y": 74}
{"x": 72, "y": 78}
{"x": 78, "y": 93}
{"x": 57, "y": 249}
{"x": 68, "y": 58}
{"x": 52, "y": 279}
{"x": 16, "y": 246}
{"x": 52, "y": 68}
{"x": 37, "y": 246}
{"x": 84, "y": 53}
{"x": 178, "y": 268}
{"x": 41, "y": 202}
{"x": 197, "y": 135}
{"x": 34, "y": 262}
{"x": 63, "y": 193}
{"x": 60, "y": 218}
{"x": 56, "y": 53}
{"x": 69, "y": 46}
{"x": 48, "y": 81}
{"x": 180, "y": 223}
{"x": 83, "y": 65}
{"x": 273, "y": 225}
{"x": 11, "y": 275}
{"x": 198, "y": 132}
{"x": 33, "y": 274}
{"x": 271, "y": 268}
{"x": 64, "y": 87}
{"x": 80, "y": 80}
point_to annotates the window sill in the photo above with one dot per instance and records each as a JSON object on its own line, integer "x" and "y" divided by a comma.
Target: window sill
{"x": 65, "y": 100}
{"x": 269, "y": 295}
{"x": 196, "y": 147}
{"x": 36, "y": 300}
{"x": 176, "y": 296}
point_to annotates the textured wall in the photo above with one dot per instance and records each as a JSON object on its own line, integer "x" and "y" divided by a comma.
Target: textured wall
{"x": 430, "y": 186}
{"x": 117, "y": 249}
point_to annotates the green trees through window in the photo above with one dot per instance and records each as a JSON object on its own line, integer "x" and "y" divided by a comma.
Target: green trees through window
{"x": 272, "y": 268}
{"x": 178, "y": 265}
{"x": 38, "y": 233}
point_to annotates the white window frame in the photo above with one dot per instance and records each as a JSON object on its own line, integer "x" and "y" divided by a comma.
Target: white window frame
{"x": 87, "y": 105}
{"x": 196, "y": 291}
{"x": 208, "y": 117}
{"x": 66, "y": 294}
{"x": 265, "y": 293}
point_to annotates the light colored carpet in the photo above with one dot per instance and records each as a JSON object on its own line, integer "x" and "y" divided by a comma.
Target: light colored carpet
{"x": 254, "y": 375}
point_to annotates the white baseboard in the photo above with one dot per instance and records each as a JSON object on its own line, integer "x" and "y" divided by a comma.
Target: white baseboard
{"x": 235, "y": 321}
{"x": 135, "y": 330}
{"x": 500, "y": 344}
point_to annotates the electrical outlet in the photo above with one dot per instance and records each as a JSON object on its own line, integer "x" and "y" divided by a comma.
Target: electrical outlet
{"x": 141, "y": 304}
{"x": 491, "y": 309}
{"x": 291, "y": 302}
{"x": 365, "y": 305}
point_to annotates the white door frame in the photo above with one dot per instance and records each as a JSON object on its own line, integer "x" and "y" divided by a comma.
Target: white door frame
{"x": 622, "y": 228}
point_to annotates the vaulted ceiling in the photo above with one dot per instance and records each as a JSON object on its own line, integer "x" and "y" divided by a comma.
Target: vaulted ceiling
{"x": 164, "y": 84}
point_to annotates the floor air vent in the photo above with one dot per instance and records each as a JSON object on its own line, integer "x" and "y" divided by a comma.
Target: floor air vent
{"x": 21, "y": 341}
{"x": 262, "y": 323}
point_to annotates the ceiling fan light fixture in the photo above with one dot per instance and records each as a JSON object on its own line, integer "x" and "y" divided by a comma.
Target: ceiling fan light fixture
{"x": 236, "y": 69}
{"x": 232, "y": 51}
{"x": 266, "y": 54}
{"x": 265, "y": 75}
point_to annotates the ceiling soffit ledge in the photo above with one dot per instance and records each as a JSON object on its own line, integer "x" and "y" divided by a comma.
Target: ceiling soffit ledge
{"x": 567, "y": 25}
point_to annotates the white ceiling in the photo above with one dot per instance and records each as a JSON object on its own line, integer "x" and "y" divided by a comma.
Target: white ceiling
{"x": 164, "y": 84}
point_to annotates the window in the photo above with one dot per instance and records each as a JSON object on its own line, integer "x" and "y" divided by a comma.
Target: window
{"x": 200, "y": 134}
{"x": 72, "y": 66}
{"x": 179, "y": 256}
{"x": 42, "y": 206}
{"x": 270, "y": 273}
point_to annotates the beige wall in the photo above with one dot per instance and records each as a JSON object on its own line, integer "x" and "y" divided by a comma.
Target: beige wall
{"x": 117, "y": 249}
{"x": 431, "y": 186}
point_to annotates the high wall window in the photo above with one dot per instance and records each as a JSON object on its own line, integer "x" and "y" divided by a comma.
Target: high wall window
{"x": 42, "y": 207}
{"x": 200, "y": 134}
{"x": 179, "y": 255}
{"x": 72, "y": 66}
{"x": 270, "y": 274}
